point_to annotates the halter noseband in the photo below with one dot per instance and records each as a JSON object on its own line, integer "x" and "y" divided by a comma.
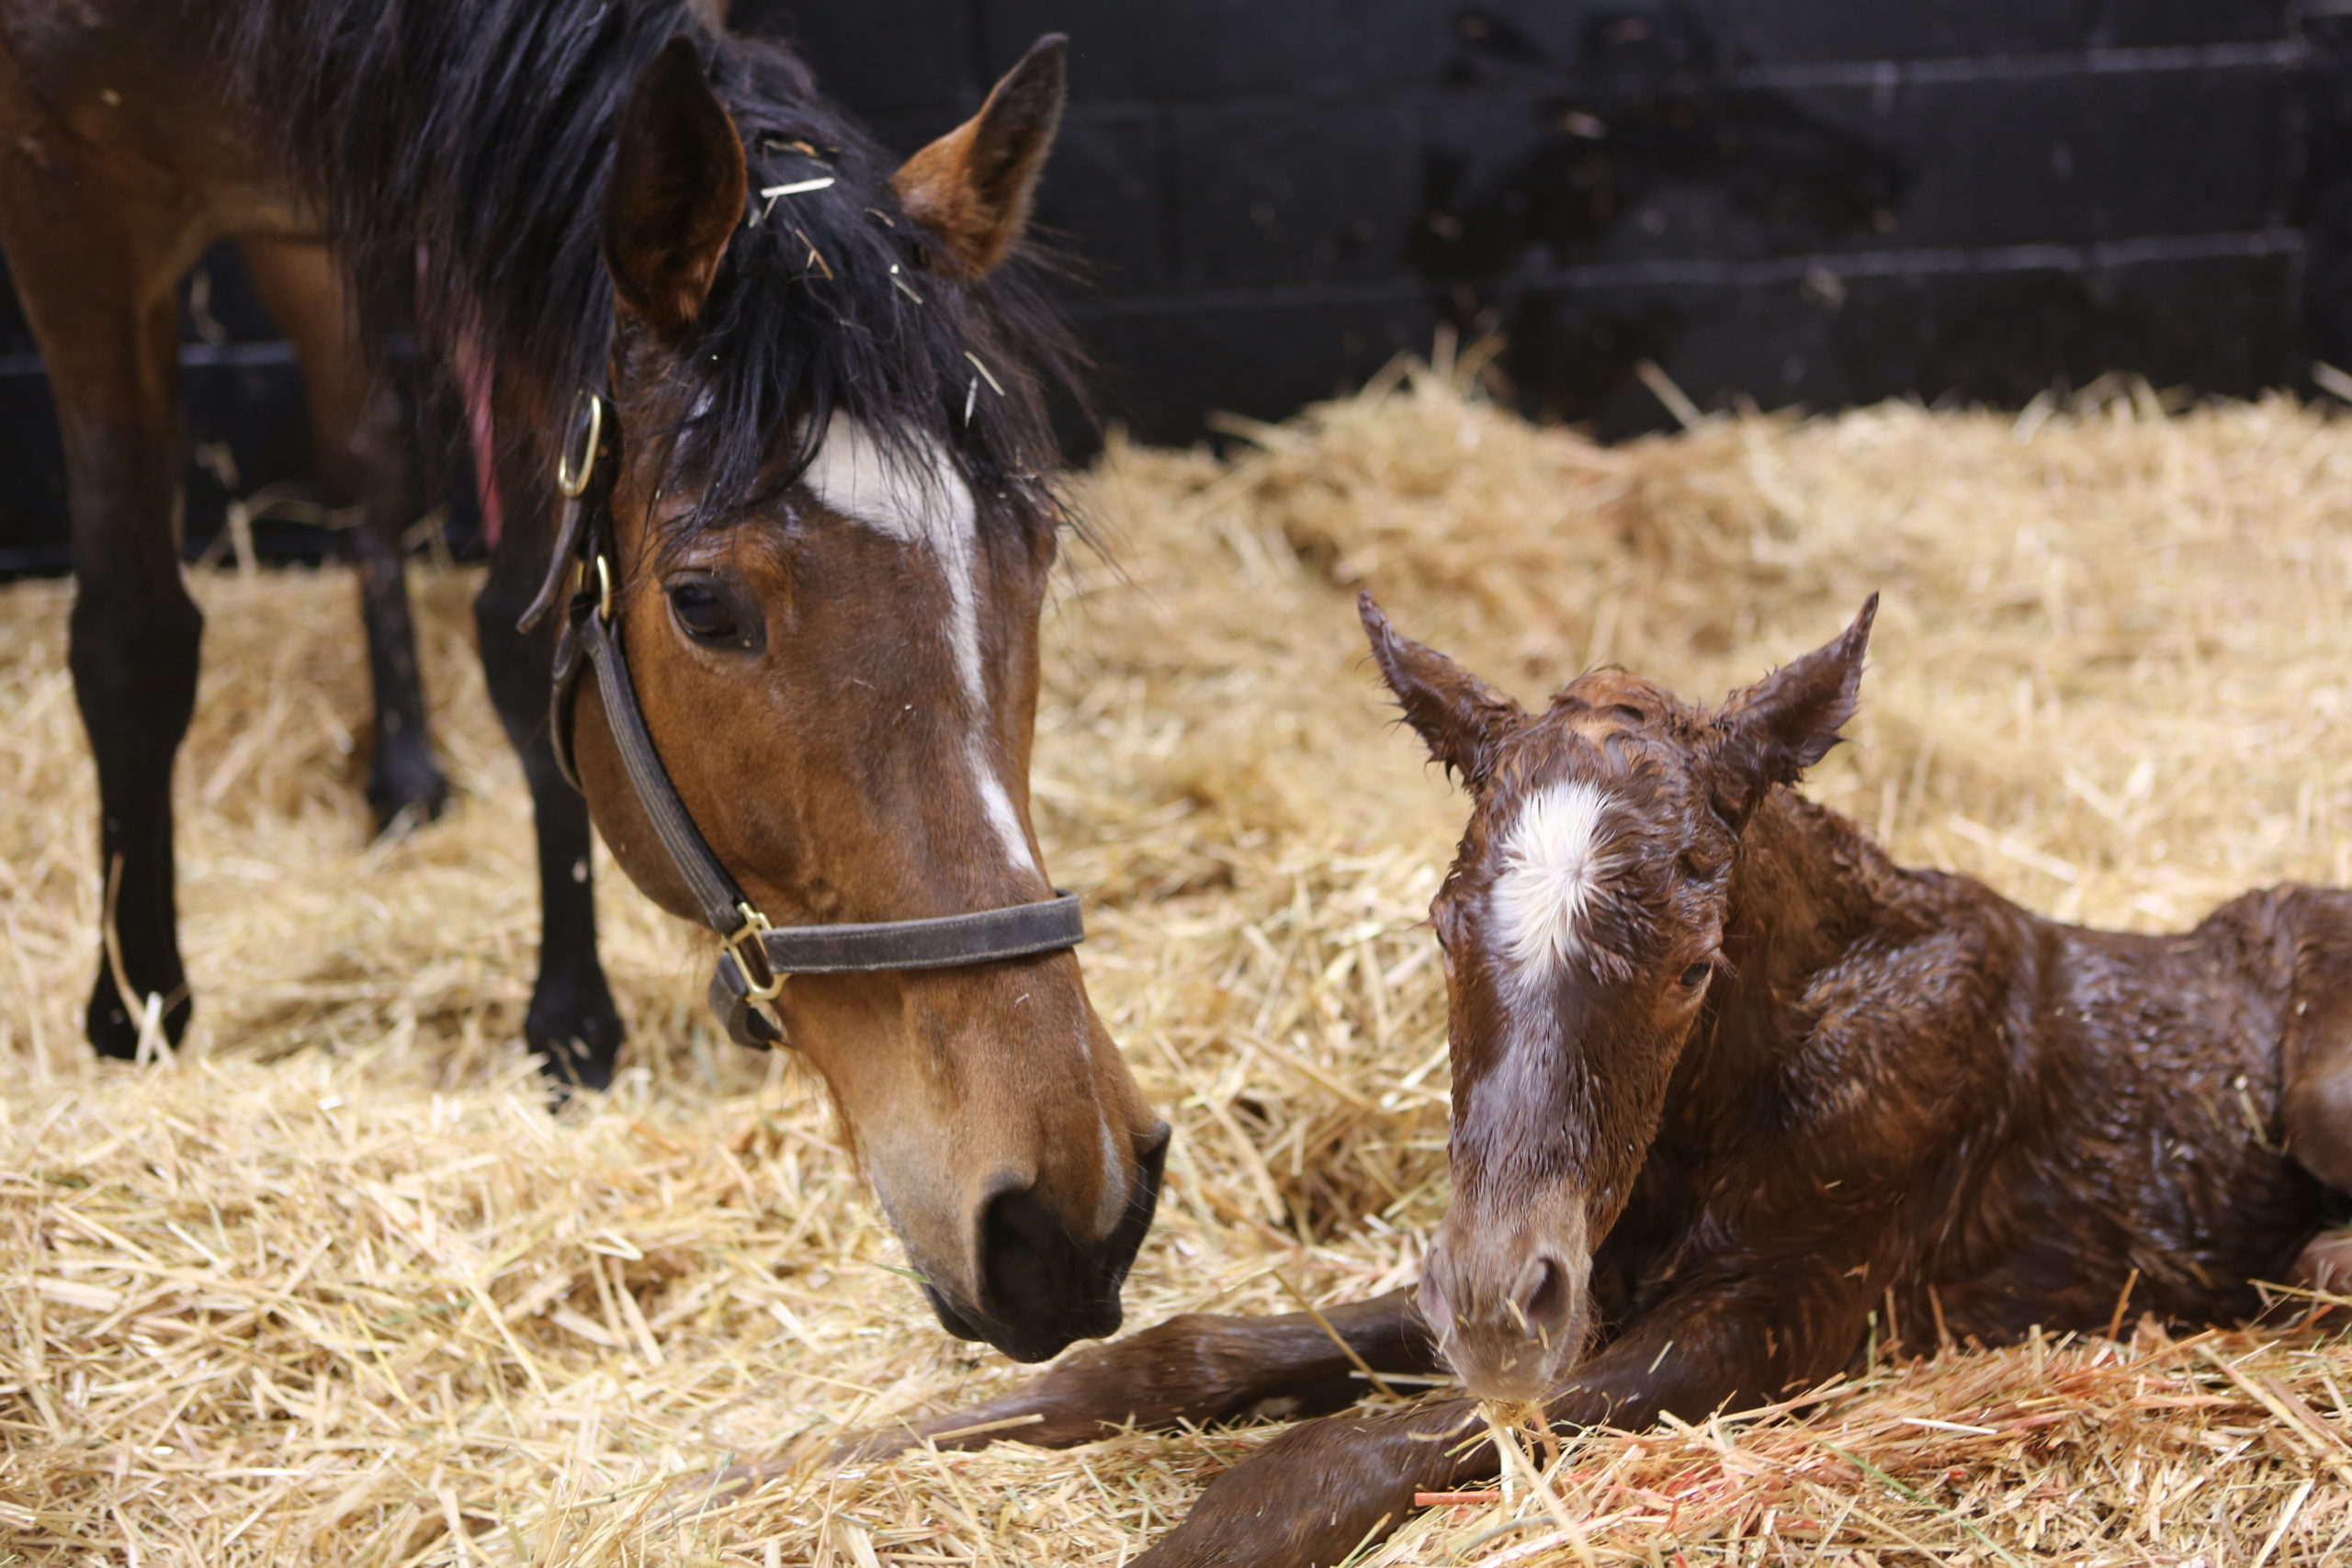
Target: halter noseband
{"x": 755, "y": 957}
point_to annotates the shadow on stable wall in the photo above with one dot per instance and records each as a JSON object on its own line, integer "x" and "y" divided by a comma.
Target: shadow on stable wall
{"x": 1652, "y": 116}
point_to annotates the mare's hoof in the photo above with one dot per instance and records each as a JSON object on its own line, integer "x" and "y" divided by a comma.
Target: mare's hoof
{"x": 576, "y": 1036}
{"x": 406, "y": 791}
{"x": 113, "y": 1024}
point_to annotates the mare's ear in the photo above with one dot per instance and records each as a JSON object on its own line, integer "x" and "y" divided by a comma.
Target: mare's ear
{"x": 1771, "y": 733}
{"x": 1459, "y": 716}
{"x": 971, "y": 188}
{"x": 677, "y": 193}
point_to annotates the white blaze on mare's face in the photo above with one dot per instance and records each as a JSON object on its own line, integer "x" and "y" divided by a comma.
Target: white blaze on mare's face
{"x": 1551, "y": 870}
{"x": 1111, "y": 1206}
{"x": 853, "y": 476}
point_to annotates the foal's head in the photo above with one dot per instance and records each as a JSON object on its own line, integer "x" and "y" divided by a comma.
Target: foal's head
{"x": 834, "y": 535}
{"x": 1582, "y": 921}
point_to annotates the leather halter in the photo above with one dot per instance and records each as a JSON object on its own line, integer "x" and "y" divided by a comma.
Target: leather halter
{"x": 755, "y": 957}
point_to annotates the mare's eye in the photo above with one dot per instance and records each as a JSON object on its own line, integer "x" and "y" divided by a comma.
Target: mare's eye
{"x": 1696, "y": 976}
{"x": 700, "y": 612}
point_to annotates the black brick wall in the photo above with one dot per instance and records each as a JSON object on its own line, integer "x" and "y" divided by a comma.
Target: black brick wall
{"x": 1796, "y": 201}
{"x": 1816, "y": 201}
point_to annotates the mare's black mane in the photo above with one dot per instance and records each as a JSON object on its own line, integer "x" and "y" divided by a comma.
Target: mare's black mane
{"x": 459, "y": 151}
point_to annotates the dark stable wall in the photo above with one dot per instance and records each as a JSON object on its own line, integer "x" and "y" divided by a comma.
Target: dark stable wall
{"x": 1811, "y": 202}
{"x": 1816, "y": 202}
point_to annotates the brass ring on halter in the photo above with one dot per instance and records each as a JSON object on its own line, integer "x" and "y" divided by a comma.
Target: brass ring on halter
{"x": 572, "y": 470}
{"x": 744, "y": 942}
{"x": 603, "y": 590}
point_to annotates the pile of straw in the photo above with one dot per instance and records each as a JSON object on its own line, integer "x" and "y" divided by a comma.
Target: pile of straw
{"x": 335, "y": 1285}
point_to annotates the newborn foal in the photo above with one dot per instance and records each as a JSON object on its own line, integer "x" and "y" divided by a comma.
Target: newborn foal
{"x": 1726, "y": 1079}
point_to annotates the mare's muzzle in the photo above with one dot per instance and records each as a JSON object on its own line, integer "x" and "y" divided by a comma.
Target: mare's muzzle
{"x": 1043, "y": 1288}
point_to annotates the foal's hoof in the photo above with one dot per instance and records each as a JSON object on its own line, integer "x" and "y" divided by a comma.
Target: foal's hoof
{"x": 113, "y": 1025}
{"x": 406, "y": 791}
{"x": 2326, "y": 1263}
{"x": 576, "y": 1037}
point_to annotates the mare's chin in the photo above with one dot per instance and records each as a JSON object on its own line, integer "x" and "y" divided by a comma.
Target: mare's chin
{"x": 1026, "y": 1346}
{"x": 950, "y": 1319}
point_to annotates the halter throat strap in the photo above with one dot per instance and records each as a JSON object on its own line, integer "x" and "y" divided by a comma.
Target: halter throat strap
{"x": 755, "y": 957}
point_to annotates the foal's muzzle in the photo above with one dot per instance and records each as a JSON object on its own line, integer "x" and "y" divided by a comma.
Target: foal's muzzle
{"x": 1509, "y": 1305}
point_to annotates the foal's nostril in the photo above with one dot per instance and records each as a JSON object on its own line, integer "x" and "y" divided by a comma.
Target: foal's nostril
{"x": 1027, "y": 1263}
{"x": 1437, "y": 1306}
{"x": 1542, "y": 1303}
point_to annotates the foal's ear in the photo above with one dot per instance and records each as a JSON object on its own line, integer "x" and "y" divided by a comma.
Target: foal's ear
{"x": 1459, "y": 716}
{"x": 677, "y": 193}
{"x": 971, "y": 188}
{"x": 1771, "y": 733}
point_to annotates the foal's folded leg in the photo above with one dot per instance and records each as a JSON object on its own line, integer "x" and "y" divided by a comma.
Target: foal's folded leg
{"x": 1317, "y": 1493}
{"x": 1196, "y": 1368}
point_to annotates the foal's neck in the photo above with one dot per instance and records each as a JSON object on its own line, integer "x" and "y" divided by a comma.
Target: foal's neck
{"x": 1807, "y": 886}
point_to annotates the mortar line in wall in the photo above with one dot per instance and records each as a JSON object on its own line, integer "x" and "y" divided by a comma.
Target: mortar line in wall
{"x": 2269, "y": 54}
{"x": 1927, "y": 262}
{"x": 1165, "y": 165}
{"x": 2277, "y": 54}
{"x": 976, "y": 18}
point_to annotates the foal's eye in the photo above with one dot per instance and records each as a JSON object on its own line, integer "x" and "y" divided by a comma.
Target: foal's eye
{"x": 701, "y": 613}
{"x": 1696, "y": 976}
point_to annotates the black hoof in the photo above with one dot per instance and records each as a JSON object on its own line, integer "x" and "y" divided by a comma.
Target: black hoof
{"x": 576, "y": 1034}
{"x": 405, "y": 790}
{"x": 113, "y": 1024}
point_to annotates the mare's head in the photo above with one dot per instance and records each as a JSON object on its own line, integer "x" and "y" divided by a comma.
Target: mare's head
{"x": 834, "y": 529}
{"x": 1582, "y": 923}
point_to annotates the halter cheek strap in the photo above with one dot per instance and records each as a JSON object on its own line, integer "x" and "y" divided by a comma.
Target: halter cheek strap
{"x": 755, "y": 957}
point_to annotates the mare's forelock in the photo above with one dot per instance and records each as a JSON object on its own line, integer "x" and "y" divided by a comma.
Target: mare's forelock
{"x": 459, "y": 155}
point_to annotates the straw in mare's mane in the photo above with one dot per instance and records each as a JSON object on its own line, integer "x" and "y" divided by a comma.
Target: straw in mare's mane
{"x": 817, "y": 510}
{"x": 1727, "y": 1079}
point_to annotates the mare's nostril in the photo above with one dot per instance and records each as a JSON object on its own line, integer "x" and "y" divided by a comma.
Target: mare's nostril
{"x": 1542, "y": 1301}
{"x": 1027, "y": 1260}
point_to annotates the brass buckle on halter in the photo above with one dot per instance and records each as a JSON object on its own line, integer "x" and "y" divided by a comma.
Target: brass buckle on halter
{"x": 745, "y": 941}
{"x": 572, "y": 470}
{"x": 604, "y": 590}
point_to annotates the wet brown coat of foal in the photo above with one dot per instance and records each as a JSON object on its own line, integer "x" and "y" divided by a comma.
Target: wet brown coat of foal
{"x": 1727, "y": 1079}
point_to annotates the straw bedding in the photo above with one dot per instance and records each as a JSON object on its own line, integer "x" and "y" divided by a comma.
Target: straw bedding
{"x": 335, "y": 1286}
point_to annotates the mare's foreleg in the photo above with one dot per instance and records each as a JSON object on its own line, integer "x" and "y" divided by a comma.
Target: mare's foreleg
{"x": 359, "y": 435}
{"x": 1321, "y": 1490}
{"x": 572, "y": 1024}
{"x": 1196, "y": 1368}
{"x": 98, "y": 289}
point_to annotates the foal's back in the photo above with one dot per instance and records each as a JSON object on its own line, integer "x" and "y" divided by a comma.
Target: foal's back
{"x": 2180, "y": 1075}
{"x": 2088, "y": 1110}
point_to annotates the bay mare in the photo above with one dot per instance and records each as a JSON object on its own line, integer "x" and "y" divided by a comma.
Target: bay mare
{"x": 823, "y": 510}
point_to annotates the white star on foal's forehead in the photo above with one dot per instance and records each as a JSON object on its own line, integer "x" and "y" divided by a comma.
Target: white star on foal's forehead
{"x": 1551, "y": 871}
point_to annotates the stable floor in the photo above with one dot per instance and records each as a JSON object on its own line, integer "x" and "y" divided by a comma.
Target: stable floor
{"x": 337, "y": 1286}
